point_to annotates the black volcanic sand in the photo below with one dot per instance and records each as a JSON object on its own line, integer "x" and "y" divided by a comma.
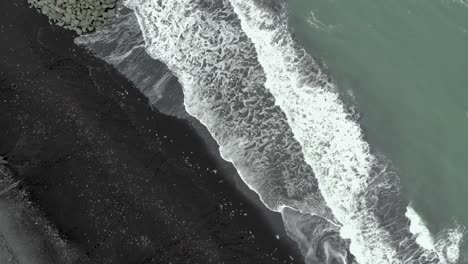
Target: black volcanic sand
{"x": 25, "y": 235}
{"x": 119, "y": 182}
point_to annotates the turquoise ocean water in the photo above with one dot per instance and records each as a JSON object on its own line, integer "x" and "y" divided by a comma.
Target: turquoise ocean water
{"x": 405, "y": 63}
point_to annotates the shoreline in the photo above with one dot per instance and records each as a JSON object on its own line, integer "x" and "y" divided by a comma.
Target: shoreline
{"x": 113, "y": 176}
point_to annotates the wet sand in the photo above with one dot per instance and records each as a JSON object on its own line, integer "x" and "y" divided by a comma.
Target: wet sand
{"x": 119, "y": 182}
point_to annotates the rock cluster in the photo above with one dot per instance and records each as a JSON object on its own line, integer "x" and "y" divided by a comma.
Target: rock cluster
{"x": 79, "y": 15}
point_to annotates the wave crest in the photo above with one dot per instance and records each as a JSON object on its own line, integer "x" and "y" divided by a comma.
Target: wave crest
{"x": 363, "y": 195}
{"x": 203, "y": 44}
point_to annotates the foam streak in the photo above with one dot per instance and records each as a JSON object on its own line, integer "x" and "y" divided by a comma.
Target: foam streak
{"x": 363, "y": 196}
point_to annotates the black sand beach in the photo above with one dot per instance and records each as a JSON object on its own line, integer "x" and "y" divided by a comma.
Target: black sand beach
{"x": 119, "y": 182}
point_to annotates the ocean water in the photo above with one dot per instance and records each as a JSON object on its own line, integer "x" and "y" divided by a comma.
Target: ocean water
{"x": 406, "y": 64}
{"x": 273, "y": 163}
{"x": 299, "y": 133}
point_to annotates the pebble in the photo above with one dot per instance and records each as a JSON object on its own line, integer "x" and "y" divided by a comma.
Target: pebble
{"x": 82, "y": 16}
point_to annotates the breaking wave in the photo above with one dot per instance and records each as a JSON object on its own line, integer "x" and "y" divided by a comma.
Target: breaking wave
{"x": 359, "y": 187}
{"x": 281, "y": 122}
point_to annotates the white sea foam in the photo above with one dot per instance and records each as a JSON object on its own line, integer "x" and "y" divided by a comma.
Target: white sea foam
{"x": 223, "y": 88}
{"x": 314, "y": 21}
{"x": 447, "y": 243}
{"x": 419, "y": 229}
{"x": 203, "y": 44}
{"x": 332, "y": 142}
{"x": 120, "y": 42}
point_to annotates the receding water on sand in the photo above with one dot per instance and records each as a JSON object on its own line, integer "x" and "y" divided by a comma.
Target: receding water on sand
{"x": 293, "y": 134}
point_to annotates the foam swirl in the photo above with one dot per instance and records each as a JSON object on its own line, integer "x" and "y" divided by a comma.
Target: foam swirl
{"x": 275, "y": 116}
{"x": 362, "y": 193}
